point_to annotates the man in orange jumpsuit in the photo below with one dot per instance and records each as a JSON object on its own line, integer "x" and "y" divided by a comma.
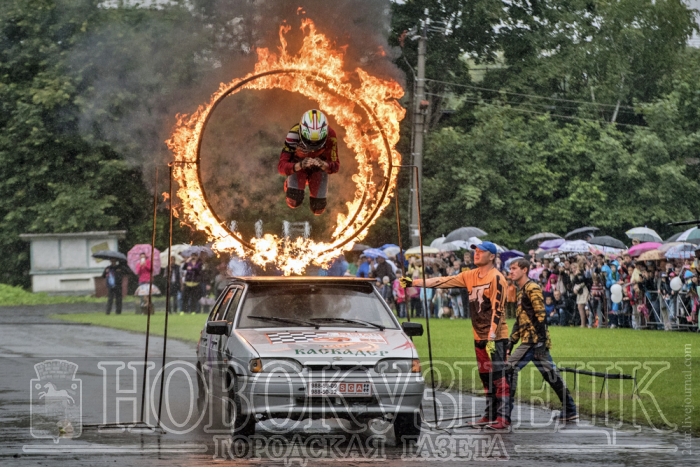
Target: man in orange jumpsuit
{"x": 487, "y": 290}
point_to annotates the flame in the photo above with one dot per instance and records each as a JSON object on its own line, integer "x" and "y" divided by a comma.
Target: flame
{"x": 368, "y": 112}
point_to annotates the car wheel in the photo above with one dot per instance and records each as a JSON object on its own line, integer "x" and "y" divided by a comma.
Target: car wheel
{"x": 407, "y": 426}
{"x": 241, "y": 424}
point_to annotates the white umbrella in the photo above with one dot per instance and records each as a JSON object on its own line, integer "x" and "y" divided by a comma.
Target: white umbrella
{"x": 392, "y": 250}
{"x": 575, "y": 246}
{"x": 449, "y": 246}
{"x": 415, "y": 251}
{"x": 176, "y": 253}
{"x": 644, "y": 234}
{"x": 437, "y": 242}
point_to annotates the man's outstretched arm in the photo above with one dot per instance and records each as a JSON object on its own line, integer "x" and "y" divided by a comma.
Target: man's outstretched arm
{"x": 441, "y": 282}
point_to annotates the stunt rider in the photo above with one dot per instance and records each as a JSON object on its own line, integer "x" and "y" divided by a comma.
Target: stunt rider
{"x": 309, "y": 155}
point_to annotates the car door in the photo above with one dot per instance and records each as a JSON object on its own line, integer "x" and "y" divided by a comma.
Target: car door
{"x": 210, "y": 365}
{"x": 222, "y": 350}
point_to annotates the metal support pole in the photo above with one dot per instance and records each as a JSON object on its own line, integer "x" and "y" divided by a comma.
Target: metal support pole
{"x": 150, "y": 290}
{"x": 167, "y": 291}
{"x": 425, "y": 293}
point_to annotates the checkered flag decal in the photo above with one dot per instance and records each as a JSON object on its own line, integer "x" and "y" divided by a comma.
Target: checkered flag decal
{"x": 292, "y": 337}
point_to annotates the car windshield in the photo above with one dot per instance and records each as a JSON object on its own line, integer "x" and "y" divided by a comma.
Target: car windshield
{"x": 319, "y": 304}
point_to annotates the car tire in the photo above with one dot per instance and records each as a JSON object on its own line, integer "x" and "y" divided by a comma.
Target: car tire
{"x": 241, "y": 424}
{"x": 407, "y": 427}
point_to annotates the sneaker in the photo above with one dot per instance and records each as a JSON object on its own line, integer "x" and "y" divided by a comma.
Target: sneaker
{"x": 499, "y": 424}
{"x": 479, "y": 423}
{"x": 562, "y": 417}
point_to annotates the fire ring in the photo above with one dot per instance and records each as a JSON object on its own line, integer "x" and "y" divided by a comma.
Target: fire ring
{"x": 370, "y": 114}
{"x": 367, "y": 110}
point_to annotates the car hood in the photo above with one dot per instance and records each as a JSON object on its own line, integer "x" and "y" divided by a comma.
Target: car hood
{"x": 330, "y": 344}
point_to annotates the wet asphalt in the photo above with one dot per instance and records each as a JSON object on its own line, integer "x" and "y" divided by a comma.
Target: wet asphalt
{"x": 107, "y": 384}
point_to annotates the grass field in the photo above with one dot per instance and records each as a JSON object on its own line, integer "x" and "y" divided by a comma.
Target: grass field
{"x": 14, "y": 296}
{"x": 660, "y": 359}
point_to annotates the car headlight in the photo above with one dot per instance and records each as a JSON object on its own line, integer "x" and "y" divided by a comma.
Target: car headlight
{"x": 398, "y": 365}
{"x": 281, "y": 366}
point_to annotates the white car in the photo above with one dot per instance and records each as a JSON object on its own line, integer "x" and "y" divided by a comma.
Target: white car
{"x": 309, "y": 347}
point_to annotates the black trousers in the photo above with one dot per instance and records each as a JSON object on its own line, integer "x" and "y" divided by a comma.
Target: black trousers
{"x": 190, "y": 298}
{"x": 114, "y": 294}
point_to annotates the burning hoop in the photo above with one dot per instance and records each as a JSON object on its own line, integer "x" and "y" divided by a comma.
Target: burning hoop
{"x": 373, "y": 139}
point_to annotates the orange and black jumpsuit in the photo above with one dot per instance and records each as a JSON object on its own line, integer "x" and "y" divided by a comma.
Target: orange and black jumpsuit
{"x": 315, "y": 177}
{"x": 487, "y": 296}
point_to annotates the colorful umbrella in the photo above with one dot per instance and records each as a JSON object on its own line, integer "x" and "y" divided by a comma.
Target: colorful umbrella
{"x": 690, "y": 236}
{"x": 534, "y": 274}
{"x": 374, "y": 252}
{"x": 643, "y": 234}
{"x": 575, "y": 246}
{"x": 133, "y": 257}
{"x": 506, "y": 255}
{"x": 142, "y": 290}
{"x": 681, "y": 251}
{"x": 551, "y": 244}
{"x": 651, "y": 255}
{"x": 637, "y": 250}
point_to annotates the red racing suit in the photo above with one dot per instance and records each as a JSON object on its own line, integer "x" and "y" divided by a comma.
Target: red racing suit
{"x": 316, "y": 178}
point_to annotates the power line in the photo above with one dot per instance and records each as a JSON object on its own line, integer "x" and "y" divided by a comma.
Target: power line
{"x": 531, "y": 103}
{"x": 527, "y": 95}
{"x": 569, "y": 117}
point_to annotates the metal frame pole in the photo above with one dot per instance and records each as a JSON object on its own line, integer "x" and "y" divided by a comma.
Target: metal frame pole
{"x": 167, "y": 291}
{"x": 401, "y": 253}
{"x": 425, "y": 293}
{"x": 150, "y": 290}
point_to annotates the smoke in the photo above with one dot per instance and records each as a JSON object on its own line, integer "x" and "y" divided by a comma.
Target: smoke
{"x": 143, "y": 66}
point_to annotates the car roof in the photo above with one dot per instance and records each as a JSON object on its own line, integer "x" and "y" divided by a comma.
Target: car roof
{"x": 284, "y": 280}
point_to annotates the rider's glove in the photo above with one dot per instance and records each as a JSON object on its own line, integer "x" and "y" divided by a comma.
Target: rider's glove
{"x": 490, "y": 348}
{"x": 406, "y": 282}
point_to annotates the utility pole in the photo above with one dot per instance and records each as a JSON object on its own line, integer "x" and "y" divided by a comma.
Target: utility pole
{"x": 420, "y": 107}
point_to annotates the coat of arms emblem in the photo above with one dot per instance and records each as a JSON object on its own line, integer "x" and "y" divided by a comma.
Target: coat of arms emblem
{"x": 55, "y": 405}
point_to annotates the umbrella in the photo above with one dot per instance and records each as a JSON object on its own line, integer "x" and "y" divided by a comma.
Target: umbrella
{"x": 506, "y": 255}
{"x": 651, "y": 255}
{"x": 690, "y": 236}
{"x": 176, "y": 249}
{"x": 575, "y": 246}
{"x": 542, "y": 236}
{"x": 196, "y": 250}
{"x": 465, "y": 245}
{"x": 134, "y": 257}
{"x": 681, "y": 251}
{"x": 607, "y": 241}
{"x": 643, "y": 234}
{"x": 392, "y": 251}
{"x": 580, "y": 231}
{"x": 551, "y": 244}
{"x": 142, "y": 290}
{"x": 449, "y": 246}
{"x": 499, "y": 248}
{"x": 465, "y": 233}
{"x": 109, "y": 254}
{"x": 673, "y": 238}
{"x": 415, "y": 251}
{"x": 437, "y": 242}
{"x": 534, "y": 274}
{"x": 359, "y": 247}
{"x": 637, "y": 250}
{"x": 374, "y": 252}
{"x": 388, "y": 245}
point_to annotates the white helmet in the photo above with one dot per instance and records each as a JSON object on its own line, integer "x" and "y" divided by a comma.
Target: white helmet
{"x": 313, "y": 130}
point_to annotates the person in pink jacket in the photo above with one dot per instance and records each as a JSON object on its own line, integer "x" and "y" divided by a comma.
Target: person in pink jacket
{"x": 143, "y": 270}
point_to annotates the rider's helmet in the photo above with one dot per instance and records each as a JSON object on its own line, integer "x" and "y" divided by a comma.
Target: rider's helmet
{"x": 313, "y": 130}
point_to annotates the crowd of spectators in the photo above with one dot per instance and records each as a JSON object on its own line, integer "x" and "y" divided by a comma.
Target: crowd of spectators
{"x": 576, "y": 288}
